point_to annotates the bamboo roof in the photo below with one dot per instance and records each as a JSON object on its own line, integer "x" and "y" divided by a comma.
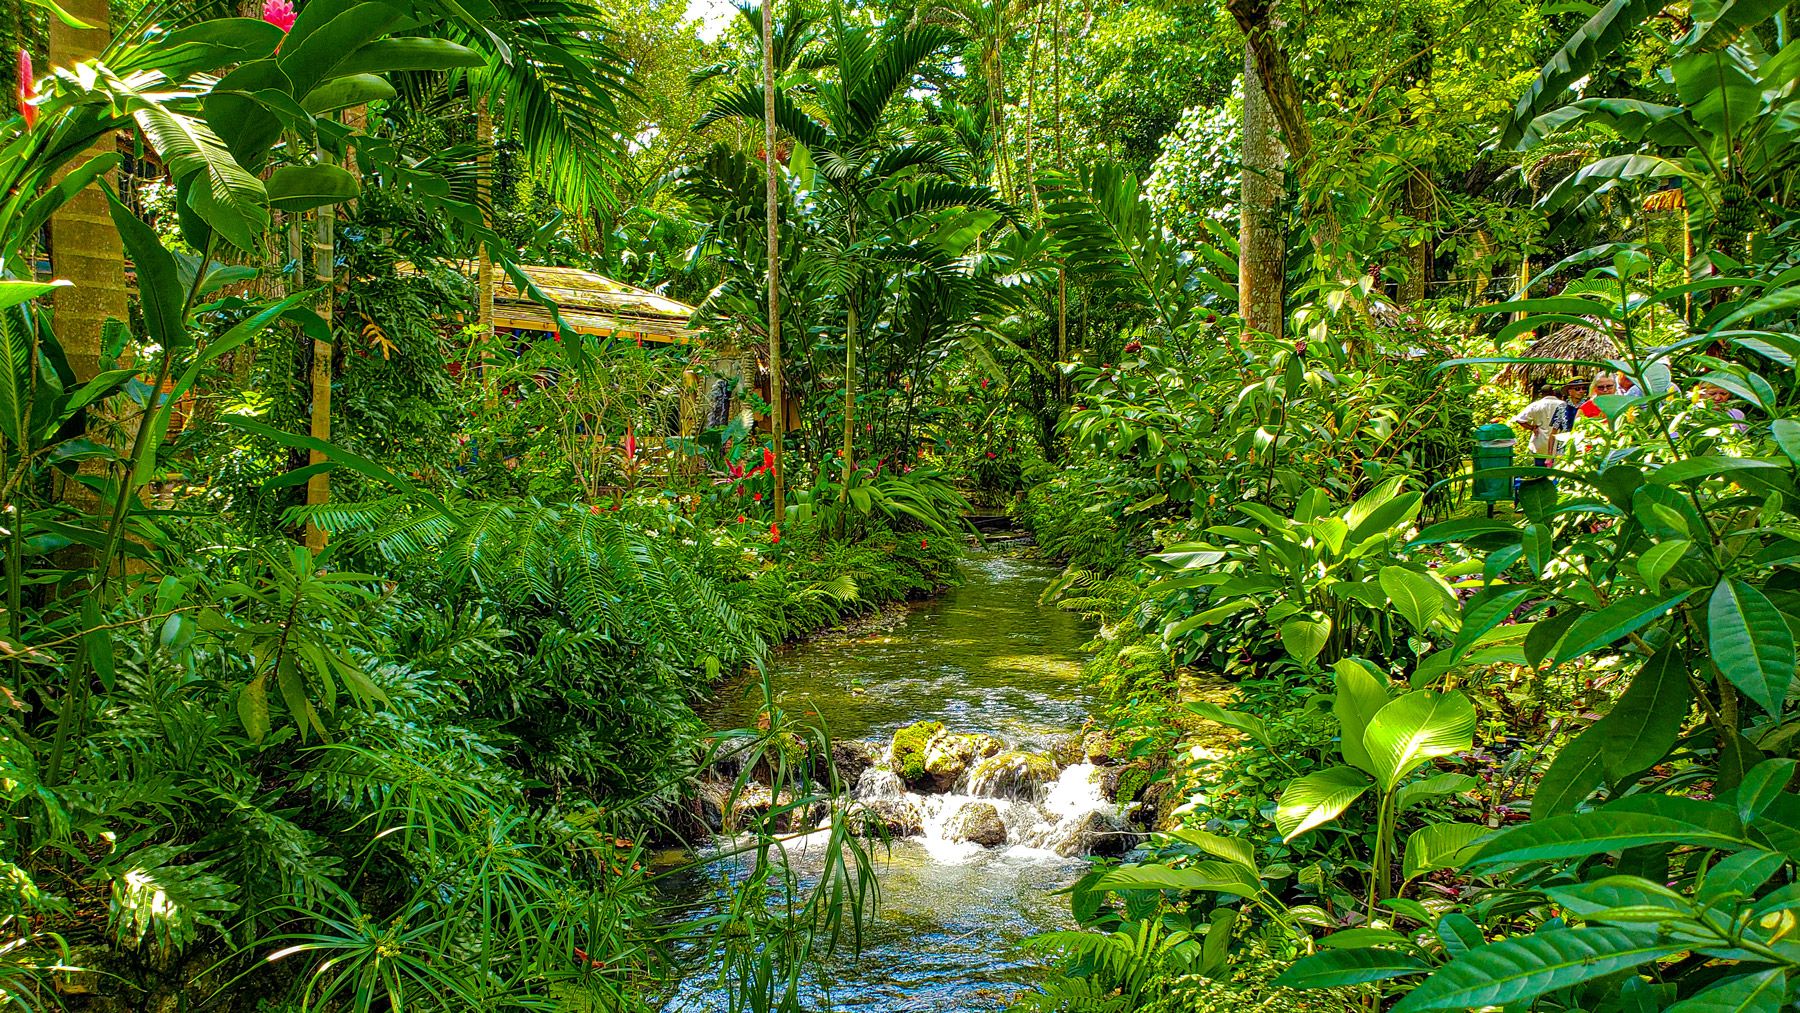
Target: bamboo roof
{"x": 592, "y": 304}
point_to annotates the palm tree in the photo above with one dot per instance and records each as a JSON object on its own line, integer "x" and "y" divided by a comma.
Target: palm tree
{"x": 868, "y": 172}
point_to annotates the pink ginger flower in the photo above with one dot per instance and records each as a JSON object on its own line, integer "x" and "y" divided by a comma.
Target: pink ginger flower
{"x": 279, "y": 13}
{"x": 630, "y": 445}
{"x": 27, "y": 85}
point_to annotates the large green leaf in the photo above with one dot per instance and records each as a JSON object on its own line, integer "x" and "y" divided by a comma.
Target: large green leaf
{"x": 1613, "y": 827}
{"x": 159, "y": 279}
{"x": 1576, "y": 772}
{"x": 312, "y": 55}
{"x": 384, "y": 56}
{"x": 1416, "y": 728}
{"x": 1361, "y": 693}
{"x": 1751, "y": 643}
{"x": 1646, "y": 721}
{"x": 1317, "y": 799}
{"x": 1304, "y": 637}
{"x": 344, "y": 92}
{"x": 1213, "y": 877}
{"x": 1486, "y": 610}
{"x": 1335, "y": 968}
{"x": 231, "y": 200}
{"x": 1615, "y": 622}
{"x": 1591, "y": 43}
{"x": 1762, "y": 991}
{"x": 1525, "y": 967}
{"x": 1440, "y": 846}
{"x": 1418, "y": 598}
{"x": 305, "y": 187}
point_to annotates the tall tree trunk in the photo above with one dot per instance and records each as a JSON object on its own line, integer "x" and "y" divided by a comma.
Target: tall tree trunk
{"x": 484, "y": 263}
{"x": 849, "y": 395}
{"x": 318, "y": 487}
{"x": 1262, "y": 249}
{"x": 84, "y": 245}
{"x": 777, "y": 404}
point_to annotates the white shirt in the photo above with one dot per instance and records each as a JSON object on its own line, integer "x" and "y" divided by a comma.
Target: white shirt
{"x": 1548, "y": 417}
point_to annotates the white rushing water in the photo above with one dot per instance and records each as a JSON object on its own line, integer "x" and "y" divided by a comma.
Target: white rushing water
{"x": 1066, "y": 818}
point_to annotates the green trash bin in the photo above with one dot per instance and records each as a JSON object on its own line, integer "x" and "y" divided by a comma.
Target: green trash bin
{"x": 1493, "y": 449}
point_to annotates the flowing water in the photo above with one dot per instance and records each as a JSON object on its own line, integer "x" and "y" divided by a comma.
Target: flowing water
{"x": 983, "y": 658}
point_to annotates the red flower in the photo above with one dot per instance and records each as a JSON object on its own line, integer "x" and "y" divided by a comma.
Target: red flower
{"x": 740, "y": 518}
{"x": 630, "y": 445}
{"x": 774, "y": 533}
{"x": 984, "y": 383}
{"x": 279, "y": 13}
{"x": 1134, "y": 346}
{"x": 990, "y": 455}
{"x": 757, "y": 497}
{"x": 921, "y": 543}
{"x": 768, "y": 459}
{"x": 594, "y": 509}
{"x": 737, "y": 471}
{"x": 27, "y": 85}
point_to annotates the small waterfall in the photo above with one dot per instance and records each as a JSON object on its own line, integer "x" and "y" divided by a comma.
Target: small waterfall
{"x": 1013, "y": 801}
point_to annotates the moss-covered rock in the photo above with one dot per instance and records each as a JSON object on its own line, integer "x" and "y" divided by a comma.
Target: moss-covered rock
{"x": 1013, "y": 773}
{"x": 949, "y": 755}
{"x": 906, "y": 754}
{"x": 977, "y": 823}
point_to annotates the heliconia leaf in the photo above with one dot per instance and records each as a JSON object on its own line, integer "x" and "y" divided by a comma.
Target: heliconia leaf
{"x": 1417, "y": 727}
{"x": 1317, "y": 799}
{"x": 1751, "y": 643}
{"x": 1440, "y": 846}
{"x": 1304, "y": 637}
{"x": 1418, "y": 598}
{"x": 1335, "y": 968}
{"x": 1361, "y": 694}
{"x": 1524, "y": 967}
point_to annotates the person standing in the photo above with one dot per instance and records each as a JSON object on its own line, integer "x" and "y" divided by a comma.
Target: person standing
{"x": 1603, "y": 385}
{"x": 1546, "y": 420}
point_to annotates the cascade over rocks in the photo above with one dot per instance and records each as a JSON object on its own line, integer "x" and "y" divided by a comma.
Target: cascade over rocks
{"x": 976, "y": 823}
{"x": 948, "y": 756}
{"x": 1012, "y": 774}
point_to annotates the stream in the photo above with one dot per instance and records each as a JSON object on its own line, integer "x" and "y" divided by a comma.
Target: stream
{"x": 1010, "y": 805}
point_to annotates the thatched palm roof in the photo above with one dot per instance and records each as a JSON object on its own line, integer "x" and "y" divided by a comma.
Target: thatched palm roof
{"x": 1570, "y": 341}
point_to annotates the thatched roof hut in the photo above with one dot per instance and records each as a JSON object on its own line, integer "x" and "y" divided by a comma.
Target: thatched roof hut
{"x": 1570, "y": 341}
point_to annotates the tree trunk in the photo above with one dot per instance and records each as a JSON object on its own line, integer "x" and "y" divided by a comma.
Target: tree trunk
{"x": 484, "y": 263}
{"x": 849, "y": 397}
{"x": 1418, "y": 255}
{"x": 1262, "y": 248}
{"x": 777, "y": 405}
{"x": 318, "y": 487}
{"x": 84, "y": 245}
